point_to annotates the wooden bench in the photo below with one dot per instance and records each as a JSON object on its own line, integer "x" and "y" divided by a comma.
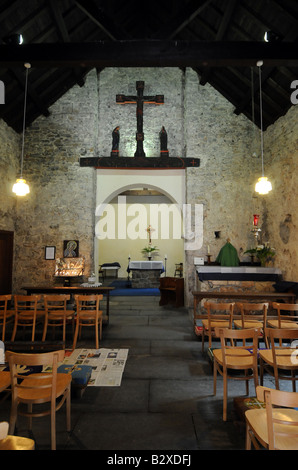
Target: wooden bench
{"x": 171, "y": 291}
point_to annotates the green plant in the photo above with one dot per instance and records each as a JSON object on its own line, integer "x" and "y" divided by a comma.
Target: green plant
{"x": 263, "y": 252}
{"x": 149, "y": 249}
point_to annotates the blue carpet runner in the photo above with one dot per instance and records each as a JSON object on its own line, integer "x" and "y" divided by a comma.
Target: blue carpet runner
{"x": 123, "y": 287}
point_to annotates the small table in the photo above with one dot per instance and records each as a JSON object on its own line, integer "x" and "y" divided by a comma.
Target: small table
{"x": 71, "y": 290}
{"x": 110, "y": 267}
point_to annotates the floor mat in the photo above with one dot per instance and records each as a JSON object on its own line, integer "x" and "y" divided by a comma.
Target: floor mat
{"x": 107, "y": 365}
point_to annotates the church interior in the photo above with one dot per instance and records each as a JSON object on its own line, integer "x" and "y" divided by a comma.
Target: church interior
{"x": 142, "y": 136}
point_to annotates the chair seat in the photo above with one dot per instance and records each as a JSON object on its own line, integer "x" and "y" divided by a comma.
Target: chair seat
{"x": 42, "y": 395}
{"x": 28, "y": 315}
{"x": 4, "y": 380}
{"x": 248, "y": 324}
{"x": 258, "y": 421}
{"x": 9, "y": 314}
{"x": 17, "y": 443}
{"x": 60, "y": 315}
{"x": 284, "y": 357}
{"x": 89, "y": 315}
{"x": 283, "y": 324}
{"x": 234, "y": 358}
{"x": 215, "y": 324}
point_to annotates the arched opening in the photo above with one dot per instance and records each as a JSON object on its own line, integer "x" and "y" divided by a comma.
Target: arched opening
{"x": 124, "y": 213}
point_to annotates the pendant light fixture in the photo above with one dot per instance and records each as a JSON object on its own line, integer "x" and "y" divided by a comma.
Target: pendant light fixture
{"x": 21, "y": 188}
{"x": 263, "y": 186}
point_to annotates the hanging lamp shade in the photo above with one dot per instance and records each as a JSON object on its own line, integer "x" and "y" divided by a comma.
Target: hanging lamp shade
{"x": 20, "y": 188}
{"x": 263, "y": 186}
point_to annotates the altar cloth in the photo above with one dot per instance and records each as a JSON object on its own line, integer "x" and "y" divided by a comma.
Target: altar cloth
{"x": 244, "y": 273}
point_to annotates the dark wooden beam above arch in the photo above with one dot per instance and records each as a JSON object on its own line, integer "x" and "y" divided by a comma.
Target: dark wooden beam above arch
{"x": 150, "y": 54}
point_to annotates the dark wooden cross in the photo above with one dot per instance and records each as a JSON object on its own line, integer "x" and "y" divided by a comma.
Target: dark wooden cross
{"x": 139, "y": 161}
{"x": 139, "y": 100}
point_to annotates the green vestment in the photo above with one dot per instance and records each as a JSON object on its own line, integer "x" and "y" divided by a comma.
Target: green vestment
{"x": 228, "y": 256}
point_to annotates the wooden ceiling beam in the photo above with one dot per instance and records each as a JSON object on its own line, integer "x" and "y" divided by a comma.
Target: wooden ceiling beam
{"x": 63, "y": 32}
{"x": 100, "y": 18}
{"x": 225, "y": 21}
{"x": 150, "y": 54}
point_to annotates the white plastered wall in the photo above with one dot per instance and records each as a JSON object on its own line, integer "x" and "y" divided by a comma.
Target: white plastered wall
{"x": 112, "y": 182}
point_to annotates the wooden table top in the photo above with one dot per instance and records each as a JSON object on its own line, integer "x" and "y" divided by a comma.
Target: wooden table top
{"x": 47, "y": 289}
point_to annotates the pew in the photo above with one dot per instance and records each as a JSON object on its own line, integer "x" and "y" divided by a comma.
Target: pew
{"x": 171, "y": 291}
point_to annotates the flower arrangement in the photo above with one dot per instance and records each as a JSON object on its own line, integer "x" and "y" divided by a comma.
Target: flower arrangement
{"x": 148, "y": 250}
{"x": 263, "y": 252}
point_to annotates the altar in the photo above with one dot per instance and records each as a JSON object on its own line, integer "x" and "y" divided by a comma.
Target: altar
{"x": 145, "y": 274}
{"x": 240, "y": 279}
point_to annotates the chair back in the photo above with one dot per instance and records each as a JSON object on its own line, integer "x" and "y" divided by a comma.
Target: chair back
{"x": 22, "y": 366}
{"x": 243, "y": 356}
{"x": 282, "y": 424}
{"x": 253, "y": 311}
{"x": 88, "y": 305}
{"x": 26, "y": 305}
{"x": 55, "y": 304}
{"x": 283, "y": 312}
{"x": 220, "y": 311}
{"x": 283, "y": 351}
{"x": 4, "y": 299}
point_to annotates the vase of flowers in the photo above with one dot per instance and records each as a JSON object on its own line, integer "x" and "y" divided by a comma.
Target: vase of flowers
{"x": 148, "y": 250}
{"x": 263, "y": 252}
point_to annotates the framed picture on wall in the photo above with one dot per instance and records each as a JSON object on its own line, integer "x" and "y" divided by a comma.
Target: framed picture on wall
{"x": 70, "y": 248}
{"x": 50, "y": 252}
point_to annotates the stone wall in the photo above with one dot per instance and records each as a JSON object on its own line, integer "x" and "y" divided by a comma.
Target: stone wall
{"x": 224, "y": 183}
{"x": 61, "y": 203}
{"x": 281, "y": 214}
{"x": 200, "y": 123}
{"x": 10, "y": 156}
{"x": 145, "y": 278}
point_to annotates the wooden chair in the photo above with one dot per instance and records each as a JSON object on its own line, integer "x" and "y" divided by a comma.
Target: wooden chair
{"x": 13, "y": 442}
{"x": 56, "y": 313}
{"x": 39, "y": 388}
{"x": 4, "y": 380}
{"x": 284, "y": 320}
{"x": 233, "y": 357}
{"x": 250, "y": 319}
{"x": 6, "y": 316}
{"x": 26, "y": 313}
{"x": 178, "y": 270}
{"x": 280, "y": 357}
{"x": 271, "y": 427}
{"x": 88, "y": 314}
{"x": 215, "y": 320}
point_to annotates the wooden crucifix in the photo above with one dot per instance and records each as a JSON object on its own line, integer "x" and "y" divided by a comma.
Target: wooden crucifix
{"x": 139, "y": 100}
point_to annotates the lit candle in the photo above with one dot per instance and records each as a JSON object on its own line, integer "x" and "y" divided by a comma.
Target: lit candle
{"x": 166, "y": 256}
{"x": 208, "y": 250}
